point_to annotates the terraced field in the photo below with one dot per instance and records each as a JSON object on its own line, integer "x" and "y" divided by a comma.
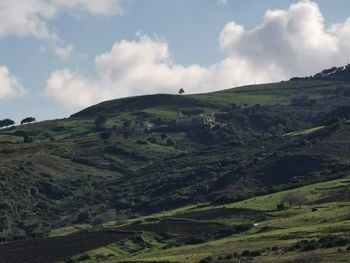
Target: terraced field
{"x": 218, "y": 233}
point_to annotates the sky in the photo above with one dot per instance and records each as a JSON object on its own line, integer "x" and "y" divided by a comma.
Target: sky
{"x": 60, "y": 56}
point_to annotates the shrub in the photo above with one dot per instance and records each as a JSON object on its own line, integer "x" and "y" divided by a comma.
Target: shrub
{"x": 105, "y": 135}
{"x": 243, "y": 228}
{"x": 280, "y": 206}
{"x": 27, "y": 139}
{"x": 100, "y": 122}
{"x": 152, "y": 140}
{"x": 84, "y": 257}
{"x": 83, "y": 216}
{"x": 206, "y": 260}
{"x": 256, "y": 253}
{"x": 97, "y": 221}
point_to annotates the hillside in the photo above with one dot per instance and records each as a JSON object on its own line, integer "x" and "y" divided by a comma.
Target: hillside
{"x": 196, "y": 156}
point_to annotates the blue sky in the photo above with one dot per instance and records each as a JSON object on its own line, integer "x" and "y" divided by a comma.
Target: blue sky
{"x": 80, "y": 53}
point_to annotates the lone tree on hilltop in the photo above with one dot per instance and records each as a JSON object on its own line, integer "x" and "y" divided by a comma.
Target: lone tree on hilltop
{"x": 181, "y": 91}
{"x": 28, "y": 120}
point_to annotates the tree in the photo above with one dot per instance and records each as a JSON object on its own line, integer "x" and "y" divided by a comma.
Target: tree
{"x": 6, "y": 123}
{"x": 181, "y": 91}
{"x": 126, "y": 124}
{"x": 28, "y": 120}
{"x": 83, "y": 216}
{"x": 39, "y": 230}
{"x": 98, "y": 221}
{"x": 121, "y": 218}
{"x": 100, "y": 122}
{"x": 27, "y": 139}
{"x": 293, "y": 198}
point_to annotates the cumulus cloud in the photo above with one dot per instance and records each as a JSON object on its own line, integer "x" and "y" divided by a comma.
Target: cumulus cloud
{"x": 144, "y": 66}
{"x": 29, "y": 18}
{"x": 296, "y": 41}
{"x": 10, "y": 86}
{"x": 288, "y": 43}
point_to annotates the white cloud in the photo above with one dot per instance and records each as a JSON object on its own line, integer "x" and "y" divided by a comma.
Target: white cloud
{"x": 10, "y": 86}
{"x": 100, "y": 7}
{"x": 63, "y": 51}
{"x": 293, "y": 42}
{"x": 222, "y": 2}
{"x": 143, "y": 66}
{"x": 29, "y": 18}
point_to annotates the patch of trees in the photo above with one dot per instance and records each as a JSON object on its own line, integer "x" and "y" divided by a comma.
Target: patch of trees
{"x": 323, "y": 242}
{"x": 6, "y": 123}
{"x": 112, "y": 215}
{"x": 292, "y": 199}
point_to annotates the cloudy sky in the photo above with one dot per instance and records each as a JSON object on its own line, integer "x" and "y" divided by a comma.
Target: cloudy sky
{"x": 59, "y": 56}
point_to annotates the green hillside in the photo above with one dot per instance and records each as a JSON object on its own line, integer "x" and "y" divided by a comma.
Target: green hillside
{"x": 197, "y": 176}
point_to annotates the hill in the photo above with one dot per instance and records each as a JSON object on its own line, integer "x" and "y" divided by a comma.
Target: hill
{"x": 133, "y": 157}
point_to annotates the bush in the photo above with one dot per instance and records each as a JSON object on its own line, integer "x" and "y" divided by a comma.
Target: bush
{"x": 152, "y": 140}
{"x": 105, "y": 135}
{"x": 170, "y": 142}
{"x": 280, "y": 207}
{"x": 83, "y": 217}
{"x": 100, "y": 122}
{"x": 255, "y": 253}
{"x": 243, "y": 228}
{"x": 84, "y": 257}
{"x": 98, "y": 221}
{"x": 27, "y": 139}
{"x": 206, "y": 260}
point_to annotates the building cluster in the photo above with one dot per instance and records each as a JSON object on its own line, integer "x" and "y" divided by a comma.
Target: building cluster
{"x": 176, "y": 125}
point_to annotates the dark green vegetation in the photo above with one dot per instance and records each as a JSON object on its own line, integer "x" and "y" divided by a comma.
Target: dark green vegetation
{"x": 223, "y": 187}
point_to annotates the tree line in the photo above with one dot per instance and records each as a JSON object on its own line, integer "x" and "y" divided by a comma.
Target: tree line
{"x": 8, "y": 122}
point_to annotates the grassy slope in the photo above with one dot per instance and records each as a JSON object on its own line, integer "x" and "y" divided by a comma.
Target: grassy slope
{"x": 167, "y": 106}
{"x": 56, "y": 142}
{"x": 279, "y": 229}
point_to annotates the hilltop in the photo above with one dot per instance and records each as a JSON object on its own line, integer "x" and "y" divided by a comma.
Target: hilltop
{"x": 138, "y": 156}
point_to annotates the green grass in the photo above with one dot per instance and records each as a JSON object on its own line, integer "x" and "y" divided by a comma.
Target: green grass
{"x": 266, "y": 94}
{"x": 283, "y": 229}
{"x": 305, "y": 132}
